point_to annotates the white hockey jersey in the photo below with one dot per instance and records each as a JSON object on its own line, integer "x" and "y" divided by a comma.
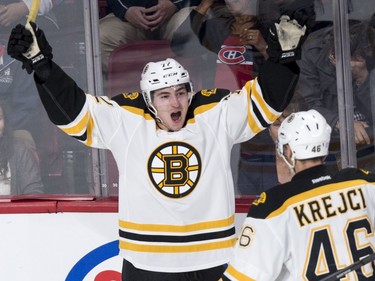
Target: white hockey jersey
{"x": 176, "y": 195}
{"x": 308, "y": 229}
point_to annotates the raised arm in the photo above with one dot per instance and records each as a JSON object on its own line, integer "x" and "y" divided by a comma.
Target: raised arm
{"x": 279, "y": 74}
{"x": 29, "y": 45}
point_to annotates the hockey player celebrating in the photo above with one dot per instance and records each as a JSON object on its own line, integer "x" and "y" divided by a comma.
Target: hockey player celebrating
{"x": 314, "y": 225}
{"x": 172, "y": 149}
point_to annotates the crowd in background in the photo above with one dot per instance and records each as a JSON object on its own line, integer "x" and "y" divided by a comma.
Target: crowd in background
{"x": 228, "y": 39}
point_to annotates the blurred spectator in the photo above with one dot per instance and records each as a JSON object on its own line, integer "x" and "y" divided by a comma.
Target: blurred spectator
{"x": 19, "y": 166}
{"x": 17, "y": 89}
{"x": 318, "y": 86}
{"x": 231, "y": 30}
{"x": 133, "y": 20}
{"x": 228, "y": 29}
{"x": 231, "y": 37}
{"x": 270, "y": 10}
{"x": 371, "y": 37}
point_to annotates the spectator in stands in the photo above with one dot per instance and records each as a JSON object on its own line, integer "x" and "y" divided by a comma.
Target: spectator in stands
{"x": 172, "y": 149}
{"x": 269, "y": 10}
{"x": 15, "y": 83}
{"x": 17, "y": 89}
{"x": 314, "y": 225}
{"x": 231, "y": 31}
{"x": 318, "y": 84}
{"x": 19, "y": 166}
{"x": 228, "y": 35}
{"x": 371, "y": 36}
{"x": 133, "y": 20}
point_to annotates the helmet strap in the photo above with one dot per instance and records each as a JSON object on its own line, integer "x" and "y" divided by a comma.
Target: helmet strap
{"x": 292, "y": 164}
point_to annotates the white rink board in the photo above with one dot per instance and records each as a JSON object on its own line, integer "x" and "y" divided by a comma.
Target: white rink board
{"x": 61, "y": 247}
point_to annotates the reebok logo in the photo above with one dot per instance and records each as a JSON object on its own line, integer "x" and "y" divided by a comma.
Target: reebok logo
{"x": 322, "y": 178}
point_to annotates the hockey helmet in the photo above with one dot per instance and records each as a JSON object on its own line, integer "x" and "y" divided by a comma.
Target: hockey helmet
{"x": 163, "y": 74}
{"x": 307, "y": 133}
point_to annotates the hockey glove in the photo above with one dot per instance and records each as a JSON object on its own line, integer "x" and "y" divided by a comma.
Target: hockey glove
{"x": 285, "y": 39}
{"x": 29, "y": 45}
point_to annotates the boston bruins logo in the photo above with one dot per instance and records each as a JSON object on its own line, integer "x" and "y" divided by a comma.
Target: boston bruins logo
{"x": 174, "y": 169}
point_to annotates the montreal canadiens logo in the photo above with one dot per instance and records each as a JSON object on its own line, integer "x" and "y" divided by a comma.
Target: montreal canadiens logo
{"x": 232, "y": 54}
{"x": 174, "y": 169}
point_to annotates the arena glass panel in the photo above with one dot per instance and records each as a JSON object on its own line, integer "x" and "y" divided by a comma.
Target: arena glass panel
{"x": 255, "y": 164}
{"x": 68, "y": 167}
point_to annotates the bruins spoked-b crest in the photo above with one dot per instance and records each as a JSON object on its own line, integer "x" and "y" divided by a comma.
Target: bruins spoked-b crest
{"x": 174, "y": 169}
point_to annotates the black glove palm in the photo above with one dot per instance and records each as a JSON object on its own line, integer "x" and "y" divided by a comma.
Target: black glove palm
{"x": 29, "y": 45}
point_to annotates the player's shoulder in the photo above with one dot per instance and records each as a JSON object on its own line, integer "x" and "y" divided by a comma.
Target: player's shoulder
{"x": 276, "y": 199}
{"x": 134, "y": 99}
{"x": 348, "y": 174}
{"x": 208, "y": 96}
{"x": 272, "y": 200}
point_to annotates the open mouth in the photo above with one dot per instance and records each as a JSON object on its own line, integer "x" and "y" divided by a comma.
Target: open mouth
{"x": 176, "y": 115}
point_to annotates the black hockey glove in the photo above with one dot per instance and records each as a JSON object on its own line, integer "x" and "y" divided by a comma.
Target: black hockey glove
{"x": 29, "y": 45}
{"x": 285, "y": 39}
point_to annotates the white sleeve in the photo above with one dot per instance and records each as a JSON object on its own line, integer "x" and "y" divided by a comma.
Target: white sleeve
{"x": 247, "y": 113}
{"x": 99, "y": 120}
{"x": 258, "y": 254}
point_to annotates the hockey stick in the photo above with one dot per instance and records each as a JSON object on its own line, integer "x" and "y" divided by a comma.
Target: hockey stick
{"x": 33, "y": 11}
{"x": 342, "y": 272}
{"x": 31, "y": 18}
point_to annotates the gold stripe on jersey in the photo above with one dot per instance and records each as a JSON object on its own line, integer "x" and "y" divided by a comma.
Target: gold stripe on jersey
{"x": 90, "y": 128}
{"x": 236, "y": 274}
{"x": 265, "y": 109}
{"x": 151, "y": 248}
{"x": 177, "y": 228}
{"x": 326, "y": 189}
{"x": 77, "y": 127}
{"x": 138, "y": 111}
{"x": 85, "y": 124}
{"x": 252, "y": 119}
{"x": 201, "y": 109}
{"x": 255, "y": 99}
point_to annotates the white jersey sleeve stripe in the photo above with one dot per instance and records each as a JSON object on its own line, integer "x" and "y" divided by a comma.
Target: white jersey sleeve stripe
{"x": 268, "y": 113}
{"x": 90, "y": 129}
{"x": 76, "y": 129}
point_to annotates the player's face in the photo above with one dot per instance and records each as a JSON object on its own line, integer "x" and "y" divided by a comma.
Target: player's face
{"x": 238, "y": 7}
{"x": 172, "y": 105}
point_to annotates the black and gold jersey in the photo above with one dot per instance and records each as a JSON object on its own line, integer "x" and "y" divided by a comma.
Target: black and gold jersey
{"x": 308, "y": 228}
